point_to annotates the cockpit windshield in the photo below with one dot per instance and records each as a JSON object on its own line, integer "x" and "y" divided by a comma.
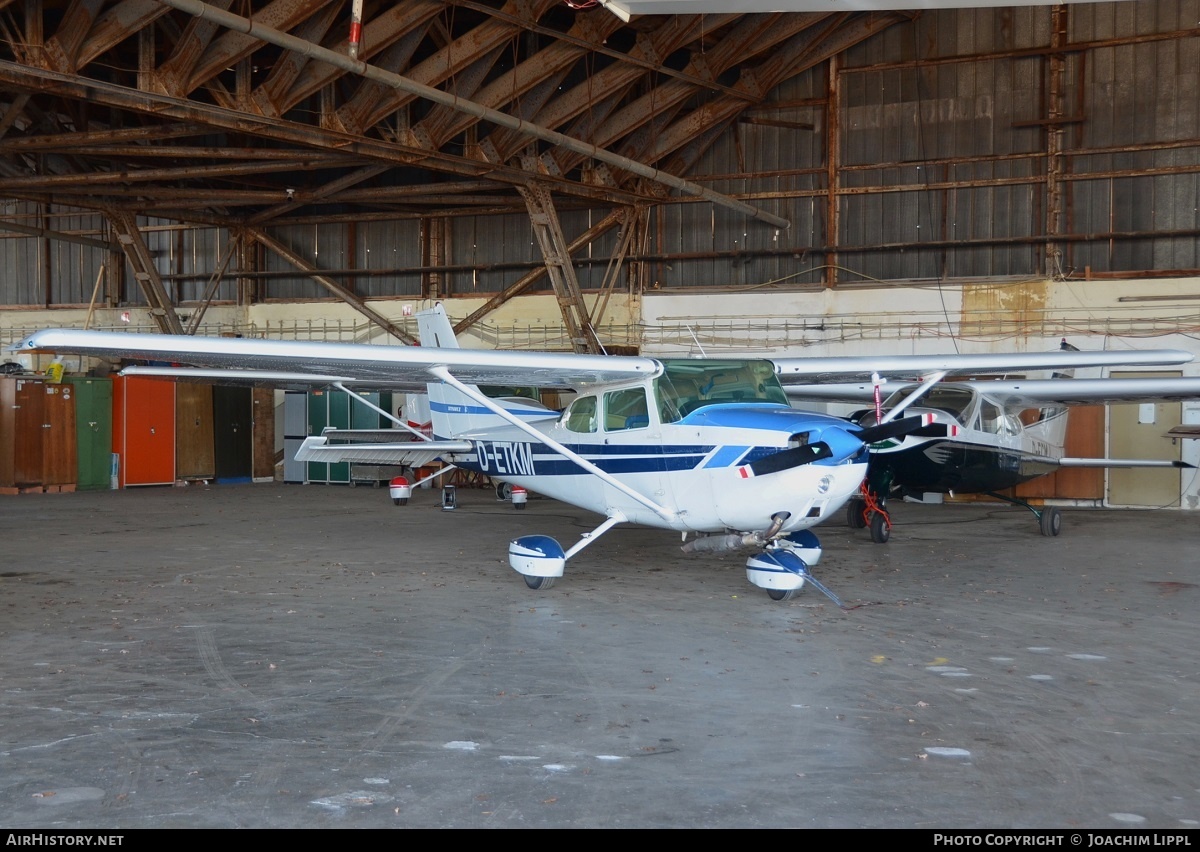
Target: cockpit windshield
{"x": 953, "y": 401}
{"x": 687, "y": 385}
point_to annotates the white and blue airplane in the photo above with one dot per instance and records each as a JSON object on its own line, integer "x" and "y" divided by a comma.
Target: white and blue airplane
{"x": 709, "y": 448}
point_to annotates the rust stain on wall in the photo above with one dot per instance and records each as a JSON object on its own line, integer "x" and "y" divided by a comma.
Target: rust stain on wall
{"x": 1005, "y": 310}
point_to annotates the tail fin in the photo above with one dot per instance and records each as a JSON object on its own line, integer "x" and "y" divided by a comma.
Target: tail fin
{"x": 451, "y": 412}
{"x": 434, "y": 329}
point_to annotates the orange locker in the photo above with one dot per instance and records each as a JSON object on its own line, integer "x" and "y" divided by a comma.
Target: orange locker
{"x": 144, "y": 431}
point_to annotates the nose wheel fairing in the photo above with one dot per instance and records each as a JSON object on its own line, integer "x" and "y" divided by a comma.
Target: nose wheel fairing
{"x": 783, "y": 568}
{"x": 537, "y": 556}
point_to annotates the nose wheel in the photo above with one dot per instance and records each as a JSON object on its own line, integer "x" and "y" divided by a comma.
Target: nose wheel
{"x": 866, "y": 509}
{"x": 881, "y": 527}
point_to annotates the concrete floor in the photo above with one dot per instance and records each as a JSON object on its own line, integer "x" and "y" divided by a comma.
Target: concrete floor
{"x": 308, "y": 656}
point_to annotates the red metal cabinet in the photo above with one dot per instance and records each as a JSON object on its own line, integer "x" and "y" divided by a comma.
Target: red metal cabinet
{"x": 144, "y": 431}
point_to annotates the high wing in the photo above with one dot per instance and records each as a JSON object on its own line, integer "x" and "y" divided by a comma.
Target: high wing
{"x": 1026, "y": 394}
{"x": 395, "y": 367}
{"x": 411, "y": 367}
{"x": 802, "y": 371}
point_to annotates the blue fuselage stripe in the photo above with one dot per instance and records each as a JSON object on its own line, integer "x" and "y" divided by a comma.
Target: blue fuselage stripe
{"x": 726, "y": 456}
{"x": 516, "y": 458}
{"x": 459, "y": 408}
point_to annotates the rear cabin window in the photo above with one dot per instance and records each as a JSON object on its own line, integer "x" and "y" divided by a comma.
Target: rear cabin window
{"x": 581, "y": 415}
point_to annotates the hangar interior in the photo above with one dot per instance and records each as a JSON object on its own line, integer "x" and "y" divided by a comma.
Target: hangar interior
{"x": 890, "y": 180}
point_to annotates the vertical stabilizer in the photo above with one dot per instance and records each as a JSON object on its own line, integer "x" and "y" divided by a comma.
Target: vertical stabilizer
{"x": 434, "y": 329}
{"x": 451, "y": 412}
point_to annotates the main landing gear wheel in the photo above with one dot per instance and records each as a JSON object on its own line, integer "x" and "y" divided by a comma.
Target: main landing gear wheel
{"x": 781, "y": 594}
{"x": 854, "y": 515}
{"x": 539, "y": 584}
{"x": 399, "y": 501}
{"x": 503, "y": 491}
{"x": 1051, "y": 521}
{"x": 881, "y": 530}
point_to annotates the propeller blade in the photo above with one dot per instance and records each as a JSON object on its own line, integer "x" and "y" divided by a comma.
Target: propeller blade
{"x": 894, "y": 429}
{"x": 791, "y": 458}
{"x": 937, "y": 430}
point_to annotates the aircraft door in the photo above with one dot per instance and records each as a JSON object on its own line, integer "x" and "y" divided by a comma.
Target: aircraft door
{"x": 633, "y": 444}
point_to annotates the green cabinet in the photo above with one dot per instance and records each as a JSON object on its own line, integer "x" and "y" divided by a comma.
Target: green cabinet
{"x": 335, "y": 408}
{"x": 93, "y": 431}
{"x": 328, "y": 409}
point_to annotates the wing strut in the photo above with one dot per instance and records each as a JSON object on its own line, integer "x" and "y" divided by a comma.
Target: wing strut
{"x": 926, "y": 385}
{"x": 445, "y": 375}
{"x": 587, "y": 538}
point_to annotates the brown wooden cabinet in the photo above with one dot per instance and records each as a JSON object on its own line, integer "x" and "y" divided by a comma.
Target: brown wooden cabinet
{"x": 264, "y": 434}
{"x": 60, "y": 452}
{"x": 195, "y": 449}
{"x": 37, "y": 435}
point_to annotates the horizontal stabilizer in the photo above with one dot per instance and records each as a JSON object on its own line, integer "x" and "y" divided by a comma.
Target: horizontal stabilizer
{"x": 406, "y": 453}
{"x": 367, "y": 436}
{"x": 1073, "y": 462}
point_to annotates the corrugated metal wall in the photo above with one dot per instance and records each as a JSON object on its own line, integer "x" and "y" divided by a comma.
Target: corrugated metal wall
{"x": 38, "y": 271}
{"x": 941, "y": 172}
{"x": 387, "y": 247}
{"x": 942, "y": 167}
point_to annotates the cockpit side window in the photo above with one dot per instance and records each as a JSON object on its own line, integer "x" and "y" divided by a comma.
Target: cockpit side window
{"x": 991, "y": 418}
{"x": 581, "y": 415}
{"x": 626, "y": 409}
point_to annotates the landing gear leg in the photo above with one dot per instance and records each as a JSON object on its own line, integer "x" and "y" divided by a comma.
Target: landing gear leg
{"x": 1048, "y": 517}
{"x": 867, "y": 508}
{"x": 539, "y": 559}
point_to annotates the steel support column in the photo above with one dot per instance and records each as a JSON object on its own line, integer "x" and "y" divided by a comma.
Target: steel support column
{"x": 557, "y": 254}
{"x": 1055, "y": 132}
{"x": 124, "y": 225}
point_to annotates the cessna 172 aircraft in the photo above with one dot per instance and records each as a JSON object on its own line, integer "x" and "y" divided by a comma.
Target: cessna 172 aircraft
{"x": 710, "y": 448}
{"x": 988, "y": 435}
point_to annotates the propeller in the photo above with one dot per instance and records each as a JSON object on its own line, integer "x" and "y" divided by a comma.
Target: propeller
{"x": 794, "y": 457}
{"x": 809, "y": 453}
{"x": 895, "y": 428}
